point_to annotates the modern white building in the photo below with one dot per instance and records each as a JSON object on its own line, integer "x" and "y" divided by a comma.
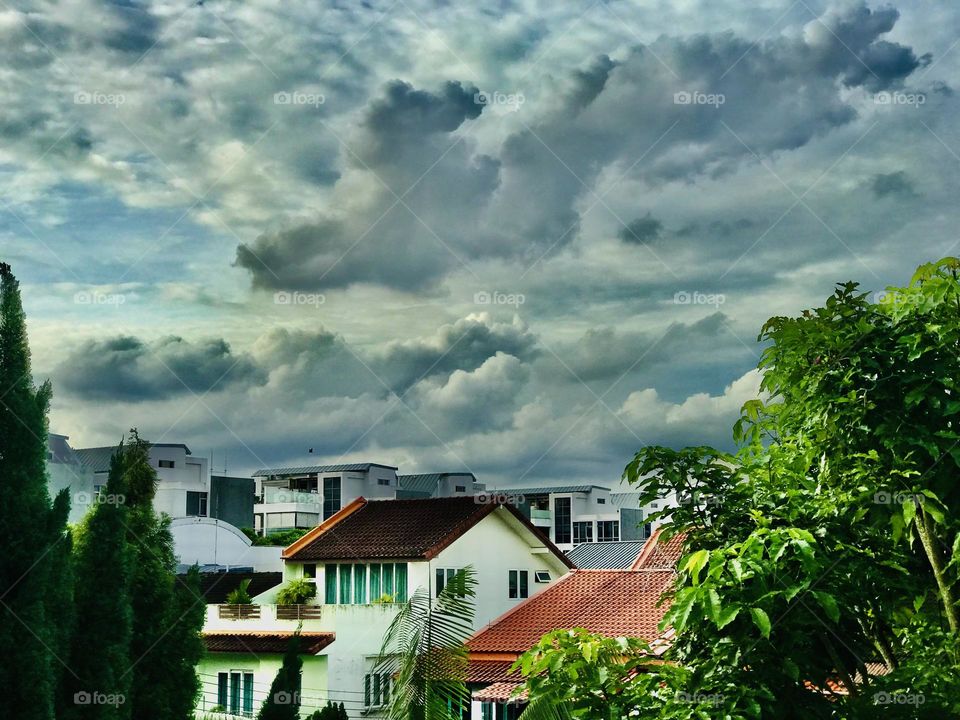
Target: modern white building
{"x": 184, "y": 487}
{"x": 65, "y": 471}
{"x": 218, "y": 546}
{"x": 303, "y": 497}
{"x": 364, "y": 562}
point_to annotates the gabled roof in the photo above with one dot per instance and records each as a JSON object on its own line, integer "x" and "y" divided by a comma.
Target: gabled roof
{"x": 311, "y": 643}
{"x": 611, "y": 602}
{"x": 98, "y": 458}
{"x": 605, "y": 555}
{"x": 400, "y": 529}
{"x": 309, "y": 469}
{"x": 658, "y": 555}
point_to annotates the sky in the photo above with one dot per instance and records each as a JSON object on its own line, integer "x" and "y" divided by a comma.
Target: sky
{"x": 519, "y": 239}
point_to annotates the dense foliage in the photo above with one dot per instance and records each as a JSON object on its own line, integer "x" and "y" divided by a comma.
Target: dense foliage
{"x": 822, "y": 559}
{"x": 283, "y": 701}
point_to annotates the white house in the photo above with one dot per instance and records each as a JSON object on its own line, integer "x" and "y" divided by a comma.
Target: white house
{"x": 66, "y": 472}
{"x": 365, "y": 560}
{"x": 184, "y": 487}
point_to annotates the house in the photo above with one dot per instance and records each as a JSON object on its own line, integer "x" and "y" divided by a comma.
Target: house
{"x": 65, "y": 471}
{"x": 364, "y": 561}
{"x": 575, "y": 514}
{"x": 302, "y": 497}
{"x": 623, "y": 602}
{"x": 184, "y": 487}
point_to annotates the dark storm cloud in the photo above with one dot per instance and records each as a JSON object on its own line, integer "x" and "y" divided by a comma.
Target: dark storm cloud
{"x": 896, "y": 183}
{"x": 438, "y": 205}
{"x": 641, "y": 231}
{"x": 127, "y": 369}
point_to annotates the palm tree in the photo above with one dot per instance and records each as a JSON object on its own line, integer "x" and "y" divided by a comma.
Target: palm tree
{"x": 424, "y": 653}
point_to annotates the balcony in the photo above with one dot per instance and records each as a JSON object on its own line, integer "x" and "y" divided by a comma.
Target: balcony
{"x": 540, "y": 518}
{"x": 371, "y": 619}
{"x": 273, "y": 495}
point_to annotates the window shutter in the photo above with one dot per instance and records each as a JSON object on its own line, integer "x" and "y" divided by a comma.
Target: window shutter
{"x": 330, "y": 584}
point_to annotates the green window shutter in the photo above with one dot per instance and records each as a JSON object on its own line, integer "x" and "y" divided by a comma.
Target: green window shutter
{"x": 388, "y": 578}
{"x": 223, "y": 680}
{"x": 366, "y": 691}
{"x": 401, "y": 582}
{"x": 360, "y": 584}
{"x": 375, "y": 591}
{"x": 235, "y": 693}
{"x": 524, "y": 583}
{"x": 345, "y": 584}
{"x": 385, "y": 686}
{"x": 248, "y": 693}
{"x": 330, "y": 583}
{"x": 376, "y": 688}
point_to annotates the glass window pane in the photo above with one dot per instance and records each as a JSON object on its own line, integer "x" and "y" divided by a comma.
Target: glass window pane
{"x": 222, "y": 684}
{"x": 330, "y": 582}
{"x": 375, "y": 591}
{"x": 561, "y": 520}
{"x": 401, "y": 582}
{"x": 366, "y": 691}
{"x": 524, "y": 584}
{"x": 387, "y": 578}
{"x": 235, "y": 693}
{"x": 360, "y": 584}
{"x": 439, "y": 583}
{"x": 345, "y": 576}
{"x": 248, "y": 693}
{"x": 512, "y": 584}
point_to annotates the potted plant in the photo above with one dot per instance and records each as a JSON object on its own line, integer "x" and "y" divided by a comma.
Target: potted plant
{"x": 296, "y": 592}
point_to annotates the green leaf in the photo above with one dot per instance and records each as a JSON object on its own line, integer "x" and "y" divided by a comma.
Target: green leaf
{"x": 727, "y": 616}
{"x": 829, "y": 605}
{"x": 696, "y": 562}
{"x": 761, "y": 620}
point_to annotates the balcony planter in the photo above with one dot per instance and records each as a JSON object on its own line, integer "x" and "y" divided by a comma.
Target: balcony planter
{"x": 239, "y": 612}
{"x": 299, "y": 612}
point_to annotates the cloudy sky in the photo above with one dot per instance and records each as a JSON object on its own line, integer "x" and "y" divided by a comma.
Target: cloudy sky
{"x": 520, "y": 238}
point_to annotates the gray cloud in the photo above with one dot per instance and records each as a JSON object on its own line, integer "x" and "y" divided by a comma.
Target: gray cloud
{"x": 646, "y": 229}
{"x": 895, "y": 183}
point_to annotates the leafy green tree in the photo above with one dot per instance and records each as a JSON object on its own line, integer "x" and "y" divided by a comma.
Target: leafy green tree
{"x": 283, "y": 702}
{"x": 98, "y": 684}
{"x": 424, "y": 652}
{"x": 32, "y": 529}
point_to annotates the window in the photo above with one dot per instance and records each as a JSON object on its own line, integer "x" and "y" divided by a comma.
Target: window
{"x": 331, "y": 497}
{"x": 345, "y": 585}
{"x": 376, "y": 689}
{"x": 310, "y": 570}
{"x": 383, "y": 481}
{"x": 360, "y": 584}
{"x": 166, "y": 463}
{"x": 196, "y": 504}
{"x": 541, "y": 577}
{"x": 608, "y": 531}
{"x": 460, "y": 488}
{"x": 582, "y": 532}
{"x": 518, "y": 584}
{"x": 443, "y": 577}
{"x": 330, "y": 584}
{"x": 601, "y": 501}
{"x": 235, "y": 691}
{"x": 561, "y": 520}
{"x": 487, "y": 711}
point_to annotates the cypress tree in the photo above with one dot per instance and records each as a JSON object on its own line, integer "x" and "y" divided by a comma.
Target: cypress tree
{"x": 32, "y": 529}
{"x": 283, "y": 702}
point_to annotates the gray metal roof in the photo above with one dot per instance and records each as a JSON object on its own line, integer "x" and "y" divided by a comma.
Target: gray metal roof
{"x": 308, "y": 469}
{"x": 98, "y": 458}
{"x": 605, "y": 555}
{"x": 428, "y": 482}
{"x": 546, "y": 489}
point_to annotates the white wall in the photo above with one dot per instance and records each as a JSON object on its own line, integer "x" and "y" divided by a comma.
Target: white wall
{"x": 207, "y": 541}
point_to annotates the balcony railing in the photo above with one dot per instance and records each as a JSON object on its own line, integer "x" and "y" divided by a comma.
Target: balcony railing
{"x": 299, "y": 612}
{"x": 284, "y": 495}
{"x": 239, "y": 612}
{"x": 539, "y": 514}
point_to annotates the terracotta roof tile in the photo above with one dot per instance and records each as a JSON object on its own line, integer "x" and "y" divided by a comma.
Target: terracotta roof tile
{"x": 611, "y": 602}
{"x": 261, "y": 642}
{"x": 398, "y": 529}
{"x": 486, "y": 671}
{"x": 500, "y": 692}
{"x": 657, "y": 555}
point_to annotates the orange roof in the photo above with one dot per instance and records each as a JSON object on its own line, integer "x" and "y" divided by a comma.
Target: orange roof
{"x": 612, "y": 602}
{"x": 501, "y": 692}
{"x": 657, "y": 555}
{"x": 254, "y": 642}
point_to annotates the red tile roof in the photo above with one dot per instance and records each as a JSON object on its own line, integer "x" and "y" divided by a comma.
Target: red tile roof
{"x": 502, "y": 692}
{"x": 311, "y": 643}
{"x": 658, "y": 555}
{"x": 612, "y": 602}
{"x": 487, "y": 671}
{"x": 400, "y": 529}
